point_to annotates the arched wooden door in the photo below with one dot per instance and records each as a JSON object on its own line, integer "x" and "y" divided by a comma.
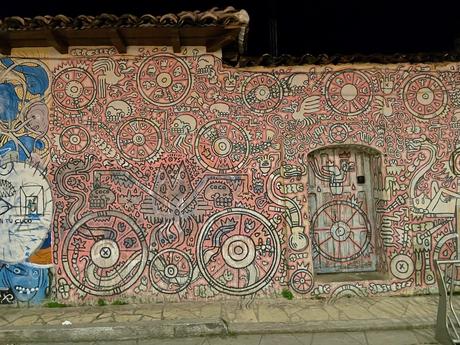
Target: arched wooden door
{"x": 341, "y": 210}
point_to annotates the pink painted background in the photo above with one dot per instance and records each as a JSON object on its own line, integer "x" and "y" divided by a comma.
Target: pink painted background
{"x": 174, "y": 176}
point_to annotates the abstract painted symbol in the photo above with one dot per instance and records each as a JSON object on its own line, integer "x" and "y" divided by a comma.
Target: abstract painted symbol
{"x": 164, "y": 80}
{"x": 26, "y": 211}
{"x": 402, "y": 266}
{"x": 348, "y": 92}
{"x": 425, "y": 96}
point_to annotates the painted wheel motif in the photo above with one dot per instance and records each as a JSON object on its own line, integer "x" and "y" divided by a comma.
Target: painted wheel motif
{"x": 338, "y": 133}
{"x": 348, "y": 92}
{"x": 74, "y": 89}
{"x": 262, "y": 93}
{"x": 454, "y": 162}
{"x": 402, "y": 266}
{"x": 95, "y": 257}
{"x": 74, "y": 139}
{"x": 164, "y": 80}
{"x": 238, "y": 251}
{"x": 301, "y": 281}
{"x": 340, "y": 239}
{"x": 222, "y": 146}
{"x": 446, "y": 249}
{"x": 138, "y": 139}
{"x": 425, "y": 96}
{"x": 171, "y": 271}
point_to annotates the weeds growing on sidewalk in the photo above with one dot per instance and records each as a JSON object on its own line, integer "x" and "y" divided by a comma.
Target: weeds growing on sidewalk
{"x": 54, "y": 304}
{"x": 118, "y": 302}
{"x": 101, "y": 302}
{"x": 286, "y": 293}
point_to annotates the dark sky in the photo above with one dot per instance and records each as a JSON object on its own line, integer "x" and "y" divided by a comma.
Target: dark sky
{"x": 303, "y": 26}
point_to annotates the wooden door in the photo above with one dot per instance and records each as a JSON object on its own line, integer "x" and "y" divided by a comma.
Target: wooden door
{"x": 341, "y": 210}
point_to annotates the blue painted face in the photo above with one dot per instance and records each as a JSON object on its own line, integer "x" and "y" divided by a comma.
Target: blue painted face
{"x": 27, "y": 282}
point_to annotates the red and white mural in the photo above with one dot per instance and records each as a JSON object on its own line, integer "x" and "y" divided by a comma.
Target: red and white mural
{"x": 175, "y": 176}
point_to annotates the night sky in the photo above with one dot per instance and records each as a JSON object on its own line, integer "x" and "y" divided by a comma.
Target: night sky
{"x": 303, "y": 26}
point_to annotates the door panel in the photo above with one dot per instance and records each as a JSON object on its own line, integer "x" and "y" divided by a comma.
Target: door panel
{"x": 341, "y": 205}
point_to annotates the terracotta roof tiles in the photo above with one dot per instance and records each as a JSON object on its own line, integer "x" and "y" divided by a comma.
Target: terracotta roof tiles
{"x": 212, "y": 17}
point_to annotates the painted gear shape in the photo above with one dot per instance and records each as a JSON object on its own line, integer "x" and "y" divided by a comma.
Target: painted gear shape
{"x": 164, "y": 80}
{"x": 74, "y": 88}
{"x": 301, "y": 281}
{"x": 74, "y": 139}
{"x": 341, "y": 241}
{"x": 138, "y": 139}
{"x": 222, "y": 146}
{"x": 94, "y": 257}
{"x": 171, "y": 271}
{"x": 262, "y": 93}
{"x": 239, "y": 251}
{"x": 348, "y": 92}
{"x": 425, "y": 96}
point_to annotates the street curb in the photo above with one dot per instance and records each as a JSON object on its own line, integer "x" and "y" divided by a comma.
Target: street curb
{"x": 330, "y": 326}
{"x": 193, "y": 328}
{"x": 117, "y": 332}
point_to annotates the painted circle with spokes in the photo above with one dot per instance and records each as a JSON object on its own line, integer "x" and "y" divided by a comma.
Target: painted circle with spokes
{"x": 139, "y": 139}
{"x": 96, "y": 257}
{"x": 425, "y": 96}
{"x": 262, "y": 93}
{"x": 222, "y": 146}
{"x": 74, "y": 139}
{"x": 301, "y": 281}
{"x": 348, "y": 92}
{"x": 238, "y": 251}
{"x": 74, "y": 88}
{"x": 164, "y": 80}
{"x": 171, "y": 271}
{"x": 341, "y": 231}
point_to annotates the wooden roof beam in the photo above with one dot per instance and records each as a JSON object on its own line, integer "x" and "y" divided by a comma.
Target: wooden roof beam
{"x": 5, "y": 46}
{"x": 56, "y": 41}
{"x": 118, "y": 41}
{"x": 217, "y": 43}
{"x": 176, "y": 42}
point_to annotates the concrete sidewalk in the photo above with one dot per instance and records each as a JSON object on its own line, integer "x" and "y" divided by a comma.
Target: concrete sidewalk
{"x": 235, "y": 318}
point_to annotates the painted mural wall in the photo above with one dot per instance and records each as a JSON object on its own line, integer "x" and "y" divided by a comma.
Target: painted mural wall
{"x": 153, "y": 175}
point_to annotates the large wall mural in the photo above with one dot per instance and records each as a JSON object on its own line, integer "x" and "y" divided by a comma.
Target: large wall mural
{"x": 173, "y": 176}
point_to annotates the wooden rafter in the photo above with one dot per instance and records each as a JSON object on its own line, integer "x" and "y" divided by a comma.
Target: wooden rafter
{"x": 118, "y": 41}
{"x": 217, "y": 43}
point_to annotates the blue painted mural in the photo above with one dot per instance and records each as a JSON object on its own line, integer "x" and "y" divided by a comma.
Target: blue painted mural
{"x": 25, "y": 196}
